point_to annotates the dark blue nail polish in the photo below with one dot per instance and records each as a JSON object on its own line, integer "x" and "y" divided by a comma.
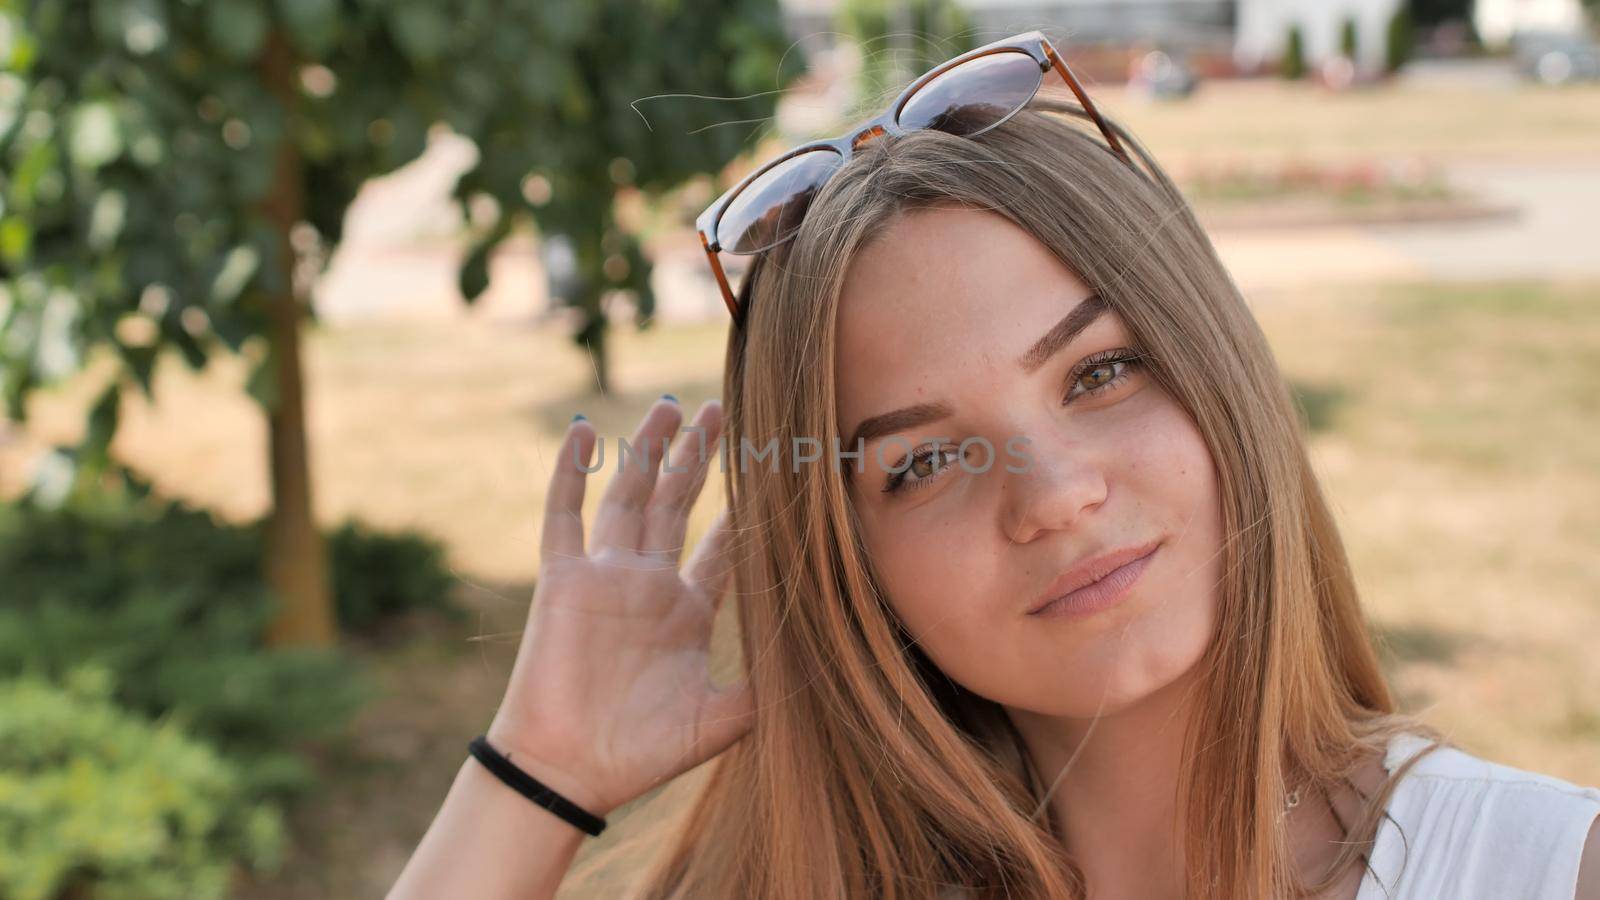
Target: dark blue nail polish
{"x": 669, "y": 397}
{"x": 579, "y": 416}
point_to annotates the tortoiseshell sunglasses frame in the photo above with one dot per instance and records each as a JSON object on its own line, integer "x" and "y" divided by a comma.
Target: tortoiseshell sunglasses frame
{"x": 1033, "y": 43}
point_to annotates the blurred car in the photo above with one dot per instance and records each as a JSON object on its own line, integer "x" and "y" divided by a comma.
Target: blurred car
{"x": 1556, "y": 57}
{"x": 1163, "y": 74}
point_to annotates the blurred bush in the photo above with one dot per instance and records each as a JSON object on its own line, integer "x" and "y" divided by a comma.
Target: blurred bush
{"x": 1293, "y": 64}
{"x": 1399, "y": 40}
{"x": 96, "y": 802}
{"x": 378, "y": 576}
{"x": 100, "y": 543}
{"x": 173, "y": 604}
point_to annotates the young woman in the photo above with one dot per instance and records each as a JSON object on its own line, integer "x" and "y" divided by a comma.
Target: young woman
{"x": 1076, "y": 622}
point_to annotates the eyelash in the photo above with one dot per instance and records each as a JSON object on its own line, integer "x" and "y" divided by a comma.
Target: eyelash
{"x": 1131, "y": 359}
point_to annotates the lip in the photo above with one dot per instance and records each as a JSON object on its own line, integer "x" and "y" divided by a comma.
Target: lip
{"x": 1094, "y": 584}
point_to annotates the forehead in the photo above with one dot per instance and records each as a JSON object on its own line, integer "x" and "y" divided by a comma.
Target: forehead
{"x": 940, "y": 295}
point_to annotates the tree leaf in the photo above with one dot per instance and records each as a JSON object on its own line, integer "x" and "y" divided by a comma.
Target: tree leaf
{"x": 107, "y": 218}
{"x": 53, "y": 479}
{"x": 474, "y": 276}
{"x": 16, "y": 241}
{"x": 102, "y": 425}
{"x": 263, "y": 382}
{"x": 144, "y": 26}
{"x": 238, "y": 267}
{"x": 421, "y": 30}
{"x": 193, "y": 353}
{"x": 141, "y": 361}
{"x": 95, "y": 137}
{"x": 313, "y": 25}
{"x": 237, "y": 28}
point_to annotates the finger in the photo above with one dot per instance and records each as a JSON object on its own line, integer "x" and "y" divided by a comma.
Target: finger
{"x": 563, "y": 503}
{"x": 666, "y": 517}
{"x": 711, "y": 567}
{"x": 619, "y": 522}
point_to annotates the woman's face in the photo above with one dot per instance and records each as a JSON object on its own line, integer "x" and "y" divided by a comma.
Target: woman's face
{"x": 955, "y": 316}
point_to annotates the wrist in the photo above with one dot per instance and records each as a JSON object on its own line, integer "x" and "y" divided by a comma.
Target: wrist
{"x": 524, "y": 754}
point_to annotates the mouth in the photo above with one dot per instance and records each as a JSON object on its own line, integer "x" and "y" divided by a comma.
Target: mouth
{"x": 1095, "y": 584}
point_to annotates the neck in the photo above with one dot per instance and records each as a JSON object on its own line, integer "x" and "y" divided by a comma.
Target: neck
{"x": 1115, "y": 805}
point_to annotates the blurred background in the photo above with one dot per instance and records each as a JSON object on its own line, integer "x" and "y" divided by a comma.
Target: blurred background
{"x": 298, "y": 296}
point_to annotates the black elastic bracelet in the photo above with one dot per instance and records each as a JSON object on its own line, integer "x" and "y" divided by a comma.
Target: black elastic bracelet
{"x": 530, "y": 787}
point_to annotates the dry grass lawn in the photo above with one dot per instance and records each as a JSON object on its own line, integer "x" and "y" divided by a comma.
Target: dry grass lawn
{"x": 1453, "y": 427}
{"x": 1270, "y": 119}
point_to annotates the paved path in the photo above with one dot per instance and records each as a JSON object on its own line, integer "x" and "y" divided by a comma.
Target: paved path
{"x": 1557, "y": 233}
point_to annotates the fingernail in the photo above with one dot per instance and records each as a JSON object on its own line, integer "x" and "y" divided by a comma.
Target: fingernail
{"x": 579, "y": 416}
{"x": 669, "y": 397}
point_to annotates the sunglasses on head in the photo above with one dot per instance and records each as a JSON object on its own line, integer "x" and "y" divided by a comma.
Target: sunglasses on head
{"x": 965, "y": 96}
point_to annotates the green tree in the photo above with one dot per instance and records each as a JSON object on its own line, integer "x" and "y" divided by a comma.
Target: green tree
{"x": 1294, "y": 54}
{"x": 899, "y": 40}
{"x": 1398, "y": 40}
{"x": 173, "y": 173}
{"x": 1348, "y": 38}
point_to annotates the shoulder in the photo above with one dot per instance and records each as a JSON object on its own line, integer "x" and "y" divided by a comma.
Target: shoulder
{"x": 1440, "y": 762}
{"x": 1462, "y": 826}
{"x": 1589, "y": 871}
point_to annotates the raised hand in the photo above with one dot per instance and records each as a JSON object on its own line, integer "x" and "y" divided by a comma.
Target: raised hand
{"x": 611, "y": 693}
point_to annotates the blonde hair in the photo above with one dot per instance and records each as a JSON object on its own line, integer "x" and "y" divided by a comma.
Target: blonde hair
{"x": 870, "y": 774}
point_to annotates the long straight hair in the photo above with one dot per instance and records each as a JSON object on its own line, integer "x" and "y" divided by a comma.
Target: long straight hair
{"x": 868, "y": 773}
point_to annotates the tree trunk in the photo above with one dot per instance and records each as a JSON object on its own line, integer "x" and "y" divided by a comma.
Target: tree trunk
{"x": 295, "y": 556}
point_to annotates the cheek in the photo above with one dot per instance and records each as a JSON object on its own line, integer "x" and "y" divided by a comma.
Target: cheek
{"x": 939, "y": 584}
{"x": 1163, "y": 460}
{"x": 1172, "y": 623}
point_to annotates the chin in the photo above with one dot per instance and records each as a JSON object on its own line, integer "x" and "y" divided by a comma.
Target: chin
{"x": 1119, "y": 683}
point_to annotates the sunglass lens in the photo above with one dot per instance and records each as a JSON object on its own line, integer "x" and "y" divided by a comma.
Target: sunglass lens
{"x": 974, "y": 96}
{"x": 770, "y": 208}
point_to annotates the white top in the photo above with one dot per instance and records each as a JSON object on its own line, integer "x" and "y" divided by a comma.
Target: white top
{"x": 1475, "y": 829}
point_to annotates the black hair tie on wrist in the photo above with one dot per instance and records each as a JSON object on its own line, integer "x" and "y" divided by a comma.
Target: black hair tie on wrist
{"x": 532, "y": 788}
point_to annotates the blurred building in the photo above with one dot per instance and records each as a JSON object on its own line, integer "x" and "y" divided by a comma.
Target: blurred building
{"x": 1089, "y": 21}
{"x": 1263, "y": 30}
{"x": 1220, "y": 38}
{"x": 1099, "y": 36}
{"x": 1497, "y": 20}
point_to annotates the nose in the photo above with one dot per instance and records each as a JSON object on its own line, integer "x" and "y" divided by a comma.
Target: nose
{"x": 1059, "y": 485}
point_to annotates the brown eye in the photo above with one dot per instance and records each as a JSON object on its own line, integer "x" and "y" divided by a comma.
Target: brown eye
{"x": 1098, "y": 375}
{"x": 922, "y": 469}
{"x": 926, "y": 465}
{"x": 1102, "y": 373}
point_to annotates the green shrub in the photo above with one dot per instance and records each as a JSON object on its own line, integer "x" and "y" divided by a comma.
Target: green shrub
{"x": 1294, "y": 54}
{"x": 96, "y": 802}
{"x": 173, "y": 607}
{"x": 379, "y": 576}
{"x": 198, "y": 655}
{"x": 90, "y": 553}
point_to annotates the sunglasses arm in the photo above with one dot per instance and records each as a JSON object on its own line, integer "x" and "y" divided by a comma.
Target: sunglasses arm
{"x": 722, "y": 277}
{"x": 1083, "y": 101}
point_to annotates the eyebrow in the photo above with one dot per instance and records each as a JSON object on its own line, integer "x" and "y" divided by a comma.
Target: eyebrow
{"x": 1081, "y": 317}
{"x": 1071, "y": 325}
